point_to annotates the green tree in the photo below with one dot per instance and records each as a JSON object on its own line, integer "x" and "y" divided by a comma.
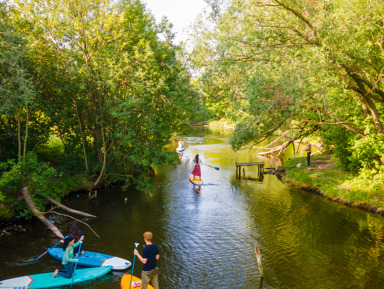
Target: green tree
{"x": 109, "y": 82}
{"x": 303, "y": 67}
{"x": 17, "y": 91}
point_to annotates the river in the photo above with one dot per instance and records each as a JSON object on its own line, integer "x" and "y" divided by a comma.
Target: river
{"x": 206, "y": 239}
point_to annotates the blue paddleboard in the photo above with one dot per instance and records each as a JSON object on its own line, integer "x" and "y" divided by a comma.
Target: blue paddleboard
{"x": 93, "y": 259}
{"x": 45, "y": 280}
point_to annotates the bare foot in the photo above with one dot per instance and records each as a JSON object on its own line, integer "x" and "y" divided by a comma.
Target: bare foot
{"x": 55, "y": 273}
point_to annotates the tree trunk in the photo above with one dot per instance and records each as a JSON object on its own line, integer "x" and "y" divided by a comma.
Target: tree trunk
{"x": 39, "y": 214}
{"x": 104, "y": 159}
{"x": 82, "y": 137}
{"x": 19, "y": 134}
{"x": 26, "y": 129}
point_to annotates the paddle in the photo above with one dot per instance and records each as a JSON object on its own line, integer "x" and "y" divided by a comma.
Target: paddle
{"x": 46, "y": 251}
{"x": 216, "y": 168}
{"x": 133, "y": 265}
{"x": 74, "y": 269}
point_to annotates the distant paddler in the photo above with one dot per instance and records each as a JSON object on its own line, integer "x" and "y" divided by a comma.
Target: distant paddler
{"x": 180, "y": 147}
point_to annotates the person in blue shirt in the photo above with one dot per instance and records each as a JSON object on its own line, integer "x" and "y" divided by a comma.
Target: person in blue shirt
{"x": 150, "y": 271}
{"x": 68, "y": 261}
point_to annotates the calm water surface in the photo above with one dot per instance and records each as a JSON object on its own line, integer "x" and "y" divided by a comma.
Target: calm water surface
{"x": 207, "y": 239}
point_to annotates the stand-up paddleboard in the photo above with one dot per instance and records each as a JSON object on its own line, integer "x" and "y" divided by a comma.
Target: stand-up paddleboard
{"x": 93, "y": 259}
{"x": 196, "y": 182}
{"x": 45, "y": 280}
{"x": 179, "y": 149}
{"x": 126, "y": 279}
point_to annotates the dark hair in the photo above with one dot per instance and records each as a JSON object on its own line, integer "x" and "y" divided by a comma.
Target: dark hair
{"x": 75, "y": 232}
{"x": 197, "y": 159}
{"x": 66, "y": 242}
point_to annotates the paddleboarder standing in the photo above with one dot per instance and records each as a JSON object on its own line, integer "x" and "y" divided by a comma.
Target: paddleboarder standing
{"x": 150, "y": 271}
{"x": 180, "y": 145}
{"x": 308, "y": 149}
{"x": 196, "y": 173}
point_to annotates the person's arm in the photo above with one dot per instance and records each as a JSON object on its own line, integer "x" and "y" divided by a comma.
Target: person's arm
{"x": 78, "y": 242}
{"x": 66, "y": 252}
{"x": 157, "y": 257}
{"x": 143, "y": 260}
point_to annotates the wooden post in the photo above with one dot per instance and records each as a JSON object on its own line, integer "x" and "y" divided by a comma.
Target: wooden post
{"x": 258, "y": 258}
{"x": 244, "y": 173}
{"x": 125, "y": 201}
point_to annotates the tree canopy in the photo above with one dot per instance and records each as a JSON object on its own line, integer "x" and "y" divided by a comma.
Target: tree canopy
{"x": 91, "y": 92}
{"x": 298, "y": 68}
{"x": 93, "y": 88}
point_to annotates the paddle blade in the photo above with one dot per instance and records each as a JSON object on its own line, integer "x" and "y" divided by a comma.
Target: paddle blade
{"x": 217, "y": 168}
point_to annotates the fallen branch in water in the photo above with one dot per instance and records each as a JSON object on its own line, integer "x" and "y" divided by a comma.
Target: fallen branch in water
{"x": 54, "y": 212}
{"x": 39, "y": 214}
{"x": 69, "y": 209}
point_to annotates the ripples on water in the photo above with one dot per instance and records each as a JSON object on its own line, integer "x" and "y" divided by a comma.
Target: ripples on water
{"x": 206, "y": 238}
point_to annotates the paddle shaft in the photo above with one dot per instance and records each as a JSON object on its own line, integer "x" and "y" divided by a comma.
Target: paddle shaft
{"x": 216, "y": 168}
{"x": 133, "y": 266}
{"x": 74, "y": 269}
{"x": 46, "y": 251}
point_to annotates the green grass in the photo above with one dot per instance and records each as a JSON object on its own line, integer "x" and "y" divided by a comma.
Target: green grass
{"x": 336, "y": 184}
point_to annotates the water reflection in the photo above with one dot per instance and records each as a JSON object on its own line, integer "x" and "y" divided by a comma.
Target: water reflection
{"x": 206, "y": 238}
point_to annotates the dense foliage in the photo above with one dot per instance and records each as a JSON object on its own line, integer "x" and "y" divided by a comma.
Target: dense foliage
{"x": 92, "y": 91}
{"x": 89, "y": 89}
{"x": 298, "y": 68}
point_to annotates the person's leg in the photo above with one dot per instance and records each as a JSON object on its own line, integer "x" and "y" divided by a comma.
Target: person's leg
{"x": 67, "y": 273}
{"x": 55, "y": 273}
{"x": 155, "y": 278}
{"x": 145, "y": 278}
{"x": 308, "y": 159}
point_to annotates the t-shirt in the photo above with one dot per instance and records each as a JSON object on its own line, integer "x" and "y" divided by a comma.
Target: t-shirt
{"x": 68, "y": 254}
{"x": 308, "y": 148}
{"x": 149, "y": 253}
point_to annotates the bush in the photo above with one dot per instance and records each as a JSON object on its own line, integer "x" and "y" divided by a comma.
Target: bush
{"x": 38, "y": 176}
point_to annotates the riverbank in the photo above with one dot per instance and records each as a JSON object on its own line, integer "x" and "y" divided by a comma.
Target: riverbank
{"x": 324, "y": 178}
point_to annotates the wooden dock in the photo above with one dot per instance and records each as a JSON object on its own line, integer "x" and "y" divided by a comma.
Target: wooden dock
{"x": 260, "y": 168}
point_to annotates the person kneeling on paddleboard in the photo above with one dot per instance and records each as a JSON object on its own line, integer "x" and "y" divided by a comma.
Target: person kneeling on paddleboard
{"x": 68, "y": 261}
{"x": 196, "y": 173}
